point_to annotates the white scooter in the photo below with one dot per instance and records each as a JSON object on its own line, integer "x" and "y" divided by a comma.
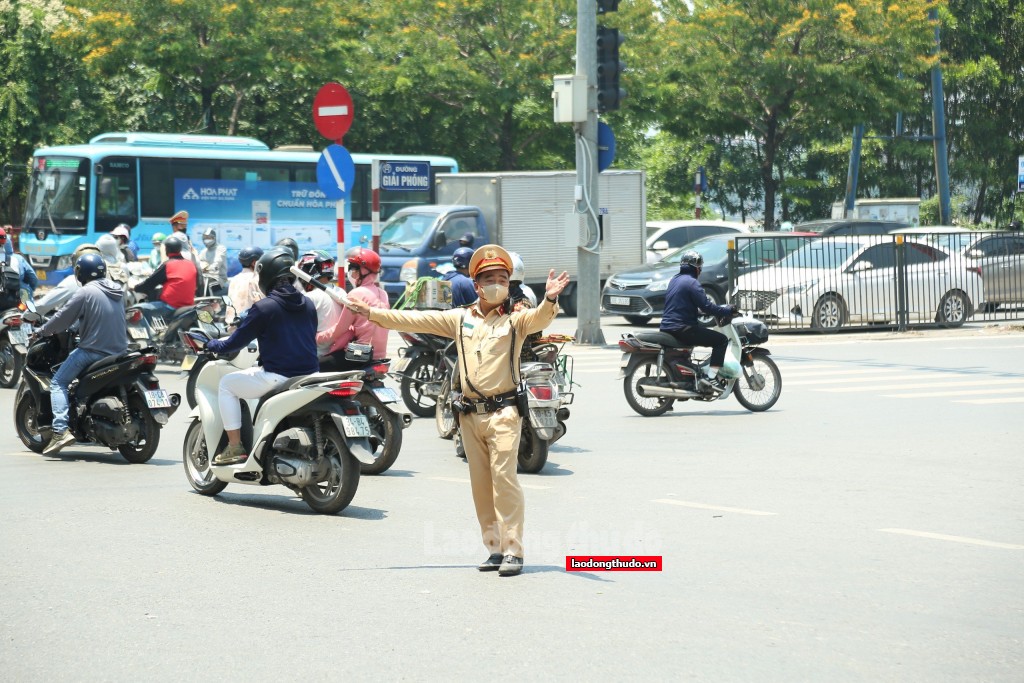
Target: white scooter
{"x": 307, "y": 434}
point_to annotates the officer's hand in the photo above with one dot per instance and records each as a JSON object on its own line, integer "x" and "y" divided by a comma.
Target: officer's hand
{"x": 555, "y": 285}
{"x": 358, "y": 306}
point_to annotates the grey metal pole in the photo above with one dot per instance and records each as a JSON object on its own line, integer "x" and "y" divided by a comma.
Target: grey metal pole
{"x": 939, "y": 132}
{"x": 853, "y": 171}
{"x": 588, "y": 287}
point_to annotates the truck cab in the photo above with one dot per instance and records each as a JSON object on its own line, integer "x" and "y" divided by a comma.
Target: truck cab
{"x": 418, "y": 239}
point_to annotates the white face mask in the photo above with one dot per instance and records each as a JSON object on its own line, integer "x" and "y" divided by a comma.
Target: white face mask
{"x": 209, "y": 241}
{"x": 494, "y": 294}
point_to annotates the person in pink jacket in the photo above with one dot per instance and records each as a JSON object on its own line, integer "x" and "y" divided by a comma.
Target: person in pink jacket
{"x": 363, "y": 269}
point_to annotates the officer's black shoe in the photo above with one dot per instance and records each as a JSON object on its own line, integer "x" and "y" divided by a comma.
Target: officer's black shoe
{"x": 491, "y": 563}
{"x": 510, "y": 566}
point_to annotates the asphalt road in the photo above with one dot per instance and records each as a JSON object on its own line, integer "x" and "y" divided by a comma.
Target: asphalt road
{"x": 870, "y": 527}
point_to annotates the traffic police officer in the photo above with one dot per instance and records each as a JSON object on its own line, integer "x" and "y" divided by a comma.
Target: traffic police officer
{"x": 490, "y": 422}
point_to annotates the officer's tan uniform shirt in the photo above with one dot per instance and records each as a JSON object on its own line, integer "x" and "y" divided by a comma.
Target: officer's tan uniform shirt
{"x": 486, "y": 341}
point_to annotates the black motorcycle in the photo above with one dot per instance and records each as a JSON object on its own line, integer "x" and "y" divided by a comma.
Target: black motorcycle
{"x": 163, "y": 332}
{"x": 117, "y": 402}
{"x": 422, "y": 370}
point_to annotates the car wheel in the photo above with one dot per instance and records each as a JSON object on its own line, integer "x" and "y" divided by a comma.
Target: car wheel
{"x": 954, "y": 309}
{"x": 717, "y": 299}
{"x": 829, "y": 313}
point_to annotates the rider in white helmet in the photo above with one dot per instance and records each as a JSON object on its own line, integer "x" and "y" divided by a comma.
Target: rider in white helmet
{"x": 517, "y": 291}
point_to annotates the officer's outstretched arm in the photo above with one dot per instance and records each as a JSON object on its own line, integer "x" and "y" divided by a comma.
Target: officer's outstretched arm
{"x": 441, "y": 323}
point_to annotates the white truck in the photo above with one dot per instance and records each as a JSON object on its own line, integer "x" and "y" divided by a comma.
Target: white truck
{"x": 531, "y": 213}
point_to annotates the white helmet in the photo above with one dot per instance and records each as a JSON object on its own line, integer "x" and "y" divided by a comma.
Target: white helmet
{"x": 110, "y": 250}
{"x": 518, "y": 268}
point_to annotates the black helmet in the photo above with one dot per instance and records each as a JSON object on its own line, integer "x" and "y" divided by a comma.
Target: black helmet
{"x": 692, "y": 258}
{"x": 248, "y": 256}
{"x": 90, "y": 267}
{"x": 289, "y": 243}
{"x": 461, "y": 257}
{"x": 273, "y": 266}
{"x": 317, "y": 264}
{"x": 467, "y": 239}
{"x": 172, "y": 245}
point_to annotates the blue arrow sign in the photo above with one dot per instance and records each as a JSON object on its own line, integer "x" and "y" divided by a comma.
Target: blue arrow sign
{"x": 335, "y": 172}
{"x": 605, "y": 146}
{"x": 405, "y": 175}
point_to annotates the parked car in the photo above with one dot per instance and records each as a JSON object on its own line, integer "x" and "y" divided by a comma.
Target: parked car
{"x": 664, "y": 236}
{"x": 833, "y": 281}
{"x": 852, "y": 226}
{"x": 638, "y": 294}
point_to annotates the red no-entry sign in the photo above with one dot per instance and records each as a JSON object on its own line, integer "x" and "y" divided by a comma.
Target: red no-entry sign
{"x": 332, "y": 111}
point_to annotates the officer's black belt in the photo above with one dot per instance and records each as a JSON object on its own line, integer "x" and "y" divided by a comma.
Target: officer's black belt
{"x": 490, "y": 404}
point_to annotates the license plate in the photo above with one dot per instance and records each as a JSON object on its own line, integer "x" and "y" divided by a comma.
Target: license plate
{"x": 158, "y": 399}
{"x": 138, "y": 332}
{"x": 618, "y": 300}
{"x": 187, "y": 363}
{"x": 40, "y": 273}
{"x": 386, "y": 394}
{"x": 18, "y": 336}
{"x": 355, "y": 425}
{"x": 749, "y": 303}
{"x": 400, "y": 365}
{"x": 543, "y": 418}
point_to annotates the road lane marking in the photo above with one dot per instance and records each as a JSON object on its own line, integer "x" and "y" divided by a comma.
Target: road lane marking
{"x": 833, "y": 372}
{"x": 705, "y": 506}
{"x": 457, "y": 480}
{"x": 854, "y": 380}
{"x": 954, "y": 539}
{"x": 938, "y": 383}
{"x": 964, "y": 392}
{"x": 990, "y": 401}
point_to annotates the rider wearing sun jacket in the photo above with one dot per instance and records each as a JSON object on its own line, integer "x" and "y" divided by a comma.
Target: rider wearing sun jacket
{"x": 684, "y": 298}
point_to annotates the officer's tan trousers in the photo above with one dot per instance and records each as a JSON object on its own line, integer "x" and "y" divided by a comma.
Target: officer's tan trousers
{"x": 491, "y": 441}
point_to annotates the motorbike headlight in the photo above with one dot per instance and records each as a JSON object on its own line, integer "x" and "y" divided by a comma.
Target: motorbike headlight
{"x": 797, "y": 288}
{"x": 409, "y": 270}
{"x": 659, "y": 286}
{"x": 64, "y": 262}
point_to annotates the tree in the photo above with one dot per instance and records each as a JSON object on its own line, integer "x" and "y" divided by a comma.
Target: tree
{"x": 781, "y": 71}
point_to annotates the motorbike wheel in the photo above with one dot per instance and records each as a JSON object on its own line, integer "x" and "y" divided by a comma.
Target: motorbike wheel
{"x": 444, "y": 416}
{"x": 420, "y": 370}
{"x": 533, "y": 451}
{"x": 196, "y": 458}
{"x": 193, "y": 377}
{"x": 387, "y": 427}
{"x": 26, "y": 421}
{"x": 760, "y": 385}
{"x": 648, "y": 406}
{"x": 12, "y": 362}
{"x": 334, "y": 494}
{"x": 145, "y": 446}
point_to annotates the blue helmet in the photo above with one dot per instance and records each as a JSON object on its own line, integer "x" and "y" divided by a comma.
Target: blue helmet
{"x": 90, "y": 267}
{"x": 461, "y": 257}
{"x": 249, "y": 256}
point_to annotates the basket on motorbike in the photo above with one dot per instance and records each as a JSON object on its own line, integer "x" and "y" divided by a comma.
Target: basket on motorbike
{"x": 426, "y": 294}
{"x": 751, "y": 331}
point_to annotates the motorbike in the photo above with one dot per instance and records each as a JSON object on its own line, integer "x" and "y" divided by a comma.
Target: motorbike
{"x": 386, "y": 423}
{"x": 213, "y": 326}
{"x": 657, "y": 371}
{"x": 548, "y": 381}
{"x": 15, "y": 331}
{"x": 117, "y": 402}
{"x": 309, "y": 434}
{"x": 162, "y": 332}
{"x": 422, "y": 369}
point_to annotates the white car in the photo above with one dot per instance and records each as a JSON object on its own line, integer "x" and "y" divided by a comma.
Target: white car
{"x": 831, "y": 282}
{"x": 666, "y": 236}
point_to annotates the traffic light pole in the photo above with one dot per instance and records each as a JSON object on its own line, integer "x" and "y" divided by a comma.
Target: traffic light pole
{"x": 588, "y": 287}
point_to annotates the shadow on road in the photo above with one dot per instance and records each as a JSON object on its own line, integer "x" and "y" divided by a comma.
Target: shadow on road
{"x": 69, "y": 455}
{"x": 289, "y": 505}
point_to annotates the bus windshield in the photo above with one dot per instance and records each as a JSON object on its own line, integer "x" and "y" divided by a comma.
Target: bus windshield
{"x": 406, "y": 230}
{"x": 58, "y": 196}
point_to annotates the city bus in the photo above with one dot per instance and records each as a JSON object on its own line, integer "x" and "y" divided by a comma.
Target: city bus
{"x": 250, "y": 194}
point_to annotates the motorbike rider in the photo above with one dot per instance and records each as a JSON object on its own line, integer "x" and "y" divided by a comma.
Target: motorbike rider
{"x": 179, "y": 229}
{"x": 110, "y": 250}
{"x": 684, "y": 298}
{"x": 244, "y": 288}
{"x": 517, "y": 291}
{"x": 129, "y": 249}
{"x": 156, "y": 256}
{"x": 16, "y": 276}
{"x": 98, "y": 309}
{"x": 490, "y": 422}
{"x": 8, "y": 247}
{"x": 62, "y": 293}
{"x": 463, "y": 292}
{"x": 289, "y": 243}
{"x": 178, "y": 277}
{"x": 320, "y": 266}
{"x": 284, "y": 325}
{"x": 363, "y": 271}
{"x": 213, "y": 260}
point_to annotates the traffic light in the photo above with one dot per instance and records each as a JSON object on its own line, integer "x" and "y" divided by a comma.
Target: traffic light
{"x": 609, "y": 94}
{"x": 607, "y": 6}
